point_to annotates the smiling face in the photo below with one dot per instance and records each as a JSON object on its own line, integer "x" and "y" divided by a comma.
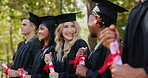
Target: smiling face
{"x": 68, "y": 30}
{"x": 43, "y": 33}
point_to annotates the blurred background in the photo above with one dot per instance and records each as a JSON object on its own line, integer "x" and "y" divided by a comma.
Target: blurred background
{"x": 12, "y": 12}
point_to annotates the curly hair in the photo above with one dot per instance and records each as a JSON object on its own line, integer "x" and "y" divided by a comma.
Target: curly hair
{"x": 60, "y": 40}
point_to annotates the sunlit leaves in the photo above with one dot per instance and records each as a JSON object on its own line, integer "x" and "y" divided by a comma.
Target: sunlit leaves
{"x": 12, "y": 11}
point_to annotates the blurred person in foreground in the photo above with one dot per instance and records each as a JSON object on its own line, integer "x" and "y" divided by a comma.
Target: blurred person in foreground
{"x": 102, "y": 16}
{"x": 135, "y": 51}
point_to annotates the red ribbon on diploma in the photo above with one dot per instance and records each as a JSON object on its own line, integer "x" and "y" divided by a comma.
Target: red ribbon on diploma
{"x": 6, "y": 67}
{"x": 47, "y": 67}
{"x": 6, "y": 70}
{"x": 21, "y": 72}
{"x": 108, "y": 62}
{"x": 78, "y": 59}
{"x": 113, "y": 58}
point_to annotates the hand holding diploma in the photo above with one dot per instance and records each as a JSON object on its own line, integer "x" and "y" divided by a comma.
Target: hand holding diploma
{"x": 113, "y": 58}
{"x": 48, "y": 61}
{"x": 6, "y": 68}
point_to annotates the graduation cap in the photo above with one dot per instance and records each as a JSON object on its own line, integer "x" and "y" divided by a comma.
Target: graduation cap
{"x": 34, "y": 19}
{"x": 67, "y": 17}
{"x": 97, "y": 1}
{"x": 44, "y": 18}
{"x": 51, "y": 22}
{"x": 108, "y": 10}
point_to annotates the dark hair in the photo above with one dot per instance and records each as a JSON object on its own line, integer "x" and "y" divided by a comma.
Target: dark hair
{"x": 51, "y": 38}
{"x": 30, "y": 23}
{"x": 107, "y": 21}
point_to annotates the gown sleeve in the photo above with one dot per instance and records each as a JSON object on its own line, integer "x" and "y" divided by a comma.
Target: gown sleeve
{"x": 12, "y": 66}
{"x": 35, "y": 48}
{"x": 92, "y": 74}
{"x": 146, "y": 70}
{"x": 96, "y": 61}
{"x": 38, "y": 69}
{"x": 68, "y": 70}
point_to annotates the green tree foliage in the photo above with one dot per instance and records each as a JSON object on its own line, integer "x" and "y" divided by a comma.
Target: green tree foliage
{"x": 12, "y": 11}
{"x": 122, "y": 18}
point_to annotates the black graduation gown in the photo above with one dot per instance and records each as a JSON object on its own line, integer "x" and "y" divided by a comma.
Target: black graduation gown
{"x": 25, "y": 54}
{"x": 64, "y": 69}
{"x": 96, "y": 61}
{"x": 38, "y": 64}
{"x": 135, "y": 47}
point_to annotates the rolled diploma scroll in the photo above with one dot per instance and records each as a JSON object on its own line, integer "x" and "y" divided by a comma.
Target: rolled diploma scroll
{"x": 51, "y": 68}
{"x": 115, "y": 48}
{"x": 6, "y": 67}
{"x": 82, "y": 62}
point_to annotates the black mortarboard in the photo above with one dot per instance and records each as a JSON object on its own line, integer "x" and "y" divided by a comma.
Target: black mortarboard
{"x": 34, "y": 19}
{"x": 51, "y": 22}
{"x": 67, "y": 17}
{"x": 97, "y": 1}
{"x": 45, "y": 17}
{"x": 107, "y": 10}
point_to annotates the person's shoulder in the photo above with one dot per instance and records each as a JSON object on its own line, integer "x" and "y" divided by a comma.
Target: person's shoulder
{"x": 80, "y": 40}
{"x": 146, "y": 2}
{"x": 137, "y": 6}
{"x": 35, "y": 40}
{"x": 20, "y": 43}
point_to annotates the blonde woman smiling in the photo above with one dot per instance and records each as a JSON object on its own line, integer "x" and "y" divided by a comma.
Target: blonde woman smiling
{"x": 68, "y": 43}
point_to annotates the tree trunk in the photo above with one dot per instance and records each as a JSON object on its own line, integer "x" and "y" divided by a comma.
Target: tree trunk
{"x": 11, "y": 41}
{"x": 90, "y": 5}
{"x": 91, "y": 41}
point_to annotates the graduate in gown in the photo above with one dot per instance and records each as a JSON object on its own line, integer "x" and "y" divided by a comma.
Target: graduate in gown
{"x": 46, "y": 35}
{"x": 135, "y": 51}
{"x": 27, "y": 49}
{"x": 102, "y": 16}
{"x": 68, "y": 43}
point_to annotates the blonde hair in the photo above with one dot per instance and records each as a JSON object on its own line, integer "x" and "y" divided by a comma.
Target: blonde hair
{"x": 60, "y": 40}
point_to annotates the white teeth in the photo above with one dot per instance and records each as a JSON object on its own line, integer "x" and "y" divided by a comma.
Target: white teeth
{"x": 69, "y": 34}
